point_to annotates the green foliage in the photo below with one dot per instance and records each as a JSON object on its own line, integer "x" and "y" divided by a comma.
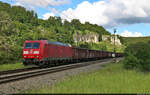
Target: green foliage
{"x": 99, "y": 46}
{"x": 93, "y": 46}
{"x": 121, "y": 39}
{"x": 138, "y": 56}
{"x": 84, "y": 45}
{"x": 131, "y": 62}
{"x": 133, "y": 40}
{"x": 110, "y": 47}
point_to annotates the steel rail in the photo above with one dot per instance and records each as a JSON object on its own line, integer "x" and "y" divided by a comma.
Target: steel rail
{"x": 17, "y": 70}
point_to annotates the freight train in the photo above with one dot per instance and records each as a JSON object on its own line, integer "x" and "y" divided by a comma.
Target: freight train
{"x": 46, "y": 53}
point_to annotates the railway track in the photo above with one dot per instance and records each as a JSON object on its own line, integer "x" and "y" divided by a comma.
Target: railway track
{"x": 6, "y": 77}
{"x": 17, "y": 70}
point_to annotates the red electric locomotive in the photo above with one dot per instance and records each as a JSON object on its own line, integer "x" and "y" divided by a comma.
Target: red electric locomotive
{"x": 43, "y": 52}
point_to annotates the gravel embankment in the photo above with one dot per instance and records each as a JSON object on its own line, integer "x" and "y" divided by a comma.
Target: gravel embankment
{"x": 46, "y": 80}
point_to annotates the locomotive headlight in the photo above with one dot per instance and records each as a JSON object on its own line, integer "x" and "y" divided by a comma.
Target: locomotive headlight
{"x": 25, "y": 52}
{"x": 36, "y": 52}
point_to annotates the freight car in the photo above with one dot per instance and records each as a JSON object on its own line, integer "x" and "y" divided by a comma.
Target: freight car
{"x": 44, "y": 52}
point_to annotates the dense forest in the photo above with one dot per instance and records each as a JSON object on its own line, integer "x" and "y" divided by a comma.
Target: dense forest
{"x": 18, "y": 24}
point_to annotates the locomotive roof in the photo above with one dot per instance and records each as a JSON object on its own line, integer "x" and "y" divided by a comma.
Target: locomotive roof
{"x": 59, "y": 43}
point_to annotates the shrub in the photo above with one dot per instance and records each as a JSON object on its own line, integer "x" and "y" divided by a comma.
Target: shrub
{"x": 137, "y": 56}
{"x": 84, "y": 45}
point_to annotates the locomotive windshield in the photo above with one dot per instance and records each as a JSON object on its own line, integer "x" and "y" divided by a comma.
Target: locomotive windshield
{"x": 36, "y": 45}
{"x": 32, "y": 45}
{"x": 28, "y": 45}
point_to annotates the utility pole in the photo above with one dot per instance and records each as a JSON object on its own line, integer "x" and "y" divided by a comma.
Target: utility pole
{"x": 57, "y": 35}
{"x": 114, "y": 45}
{"x": 77, "y": 39}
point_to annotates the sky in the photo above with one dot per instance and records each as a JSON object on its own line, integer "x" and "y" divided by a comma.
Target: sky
{"x": 131, "y": 18}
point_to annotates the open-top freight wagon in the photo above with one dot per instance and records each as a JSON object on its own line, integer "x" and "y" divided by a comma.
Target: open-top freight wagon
{"x": 44, "y": 52}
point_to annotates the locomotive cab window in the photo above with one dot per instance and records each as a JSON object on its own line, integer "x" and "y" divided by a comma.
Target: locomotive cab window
{"x": 28, "y": 45}
{"x": 36, "y": 45}
{"x": 32, "y": 45}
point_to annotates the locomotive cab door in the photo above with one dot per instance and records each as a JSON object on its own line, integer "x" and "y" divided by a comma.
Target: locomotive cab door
{"x": 46, "y": 50}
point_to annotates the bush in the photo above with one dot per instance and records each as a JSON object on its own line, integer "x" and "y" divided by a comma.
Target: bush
{"x": 131, "y": 62}
{"x": 84, "y": 45}
{"x": 137, "y": 56}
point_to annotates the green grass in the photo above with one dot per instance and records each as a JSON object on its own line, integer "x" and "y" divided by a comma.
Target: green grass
{"x": 113, "y": 78}
{"x": 132, "y": 40}
{"x": 5, "y": 67}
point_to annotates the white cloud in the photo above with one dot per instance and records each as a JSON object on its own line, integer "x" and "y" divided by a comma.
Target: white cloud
{"x": 42, "y": 3}
{"x": 18, "y": 4}
{"x": 137, "y": 34}
{"x": 87, "y": 12}
{"x": 47, "y": 15}
{"x": 110, "y": 13}
{"x": 55, "y": 11}
{"x": 126, "y": 33}
{"x": 28, "y": 7}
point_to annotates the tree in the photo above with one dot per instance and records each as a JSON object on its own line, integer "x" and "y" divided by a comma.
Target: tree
{"x": 76, "y": 23}
{"x": 138, "y": 56}
{"x": 5, "y": 22}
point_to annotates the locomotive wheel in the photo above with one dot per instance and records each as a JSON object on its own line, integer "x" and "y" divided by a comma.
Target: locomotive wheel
{"x": 42, "y": 64}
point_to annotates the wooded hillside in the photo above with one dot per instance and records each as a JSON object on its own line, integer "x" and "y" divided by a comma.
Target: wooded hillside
{"x": 18, "y": 24}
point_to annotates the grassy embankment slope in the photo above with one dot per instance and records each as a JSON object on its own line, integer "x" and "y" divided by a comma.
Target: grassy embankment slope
{"x": 132, "y": 40}
{"x": 113, "y": 78}
{"x": 5, "y": 67}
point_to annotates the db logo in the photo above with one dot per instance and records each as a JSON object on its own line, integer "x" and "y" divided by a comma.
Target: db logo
{"x": 31, "y": 51}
